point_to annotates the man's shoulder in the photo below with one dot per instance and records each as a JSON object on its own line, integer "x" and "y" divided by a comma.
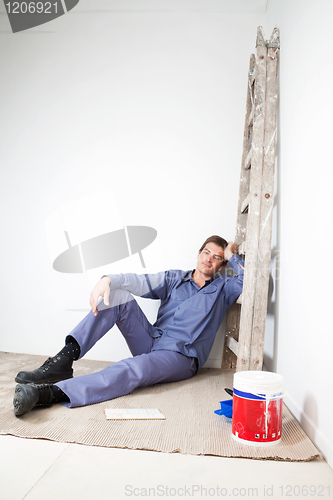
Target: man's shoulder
{"x": 178, "y": 274}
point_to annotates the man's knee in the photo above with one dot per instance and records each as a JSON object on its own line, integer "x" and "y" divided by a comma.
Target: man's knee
{"x": 119, "y": 297}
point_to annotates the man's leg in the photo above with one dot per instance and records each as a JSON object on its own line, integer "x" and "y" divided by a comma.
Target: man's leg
{"x": 114, "y": 381}
{"x": 122, "y": 377}
{"x": 123, "y": 311}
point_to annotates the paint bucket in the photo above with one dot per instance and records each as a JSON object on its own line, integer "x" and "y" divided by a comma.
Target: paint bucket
{"x": 257, "y": 408}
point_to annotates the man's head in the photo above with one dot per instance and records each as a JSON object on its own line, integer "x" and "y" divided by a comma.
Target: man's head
{"x": 221, "y": 242}
{"x": 211, "y": 256}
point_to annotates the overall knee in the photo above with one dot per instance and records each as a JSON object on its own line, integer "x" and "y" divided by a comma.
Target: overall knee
{"x": 120, "y": 297}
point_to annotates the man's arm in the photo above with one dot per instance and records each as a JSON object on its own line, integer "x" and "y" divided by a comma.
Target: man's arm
{"x": 234, "y": 286}
{"x": 152, "y": 286}
{"x": 230, "y": 250}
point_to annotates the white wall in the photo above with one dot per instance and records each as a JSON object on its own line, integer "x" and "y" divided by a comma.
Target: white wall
{"x": 303, "y": 313}
{"x": 128, "y": 118}
{"x": 144, "y": 111}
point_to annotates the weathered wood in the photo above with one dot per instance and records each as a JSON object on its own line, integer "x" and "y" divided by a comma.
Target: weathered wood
{"x": 248, "y": 159}
{"x": 240, "y": 299}
{"x": 246, "y": 318}
{"x": 244, "y": 184}
{"x": 233, "y": 345}
{"x": 229, "y": 359}
{"x": 253, "y": 223}
{"x": 250, "y": 122}
{"x": 252, "y": 75}
{"x": 242, "y": 248}
{"x": 233, "y": 315}
{"x": 245, "y": 204}
{"x": 267, "y": 201}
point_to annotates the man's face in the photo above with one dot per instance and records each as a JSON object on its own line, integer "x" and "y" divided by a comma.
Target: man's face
{"x": 210, "y": 260}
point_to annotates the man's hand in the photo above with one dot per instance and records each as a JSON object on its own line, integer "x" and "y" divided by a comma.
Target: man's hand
{"x": 102, "y": 289}
{"x": 230, "y": 250}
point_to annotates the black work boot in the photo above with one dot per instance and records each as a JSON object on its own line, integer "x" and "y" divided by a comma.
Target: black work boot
{"x": 52, "y": 371}
{"x": 27, "y": 396}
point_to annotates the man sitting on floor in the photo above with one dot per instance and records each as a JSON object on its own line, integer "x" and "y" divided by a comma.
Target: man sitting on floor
{"x": 193, "y": 304}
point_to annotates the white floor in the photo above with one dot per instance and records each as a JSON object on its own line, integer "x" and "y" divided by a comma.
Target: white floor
{"x": 34, "y": 469}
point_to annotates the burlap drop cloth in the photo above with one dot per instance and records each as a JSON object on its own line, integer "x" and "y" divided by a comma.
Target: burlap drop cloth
{"x": 191, "y": 426}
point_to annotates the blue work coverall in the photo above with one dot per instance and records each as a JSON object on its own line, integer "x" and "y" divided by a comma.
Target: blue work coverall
{"x": 171, "y": 349}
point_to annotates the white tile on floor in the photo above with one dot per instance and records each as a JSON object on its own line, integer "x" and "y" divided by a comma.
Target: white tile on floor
{"x": 23, "y": 462}
{"x": 84, "y": 472}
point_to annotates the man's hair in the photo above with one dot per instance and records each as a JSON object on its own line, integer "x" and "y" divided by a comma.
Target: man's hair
{"x": 221, "y": 242}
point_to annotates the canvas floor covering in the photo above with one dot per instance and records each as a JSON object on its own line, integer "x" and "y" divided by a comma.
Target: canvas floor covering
{"x": 190, "y": 427}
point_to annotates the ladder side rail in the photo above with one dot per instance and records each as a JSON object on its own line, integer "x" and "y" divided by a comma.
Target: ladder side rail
{"x": 245, "y": 174}
{"x": 267, "y": 204}
{"x": 229, "y": 358}
{"x": 253, "y": 221}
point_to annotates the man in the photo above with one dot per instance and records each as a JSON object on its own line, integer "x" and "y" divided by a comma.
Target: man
{"x": 193, "y": 305}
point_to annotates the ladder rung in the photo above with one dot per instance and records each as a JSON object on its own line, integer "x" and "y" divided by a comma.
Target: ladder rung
{"x": 251, "y": 115}
{"x": 240, "y": 299}
{"x": 248, "y": 159}
{"x": 252, "y": 76}
{"x": 245, "y": 205}
{"x": 242, "y": 248}
{"x": 232, "y": 344}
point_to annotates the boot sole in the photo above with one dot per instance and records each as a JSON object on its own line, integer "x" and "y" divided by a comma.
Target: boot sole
{"x": 19, "y": 380}
{"x": 24, "y": 400}
{"x": 21, "y": 406}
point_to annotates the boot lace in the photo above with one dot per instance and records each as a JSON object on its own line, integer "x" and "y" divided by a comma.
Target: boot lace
{"x": 45, "y": 394}
{"x": 49, "y": 362}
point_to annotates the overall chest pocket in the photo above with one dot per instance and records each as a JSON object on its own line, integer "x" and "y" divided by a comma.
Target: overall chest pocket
{"x": 204, "y": 299}
{"x": 179, "y": 295}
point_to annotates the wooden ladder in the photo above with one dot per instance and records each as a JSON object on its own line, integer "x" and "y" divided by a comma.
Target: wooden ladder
{"x": 246, "y": 319}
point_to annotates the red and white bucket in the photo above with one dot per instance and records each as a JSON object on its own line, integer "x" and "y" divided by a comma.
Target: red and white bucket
{"x": 257, "y": 408}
